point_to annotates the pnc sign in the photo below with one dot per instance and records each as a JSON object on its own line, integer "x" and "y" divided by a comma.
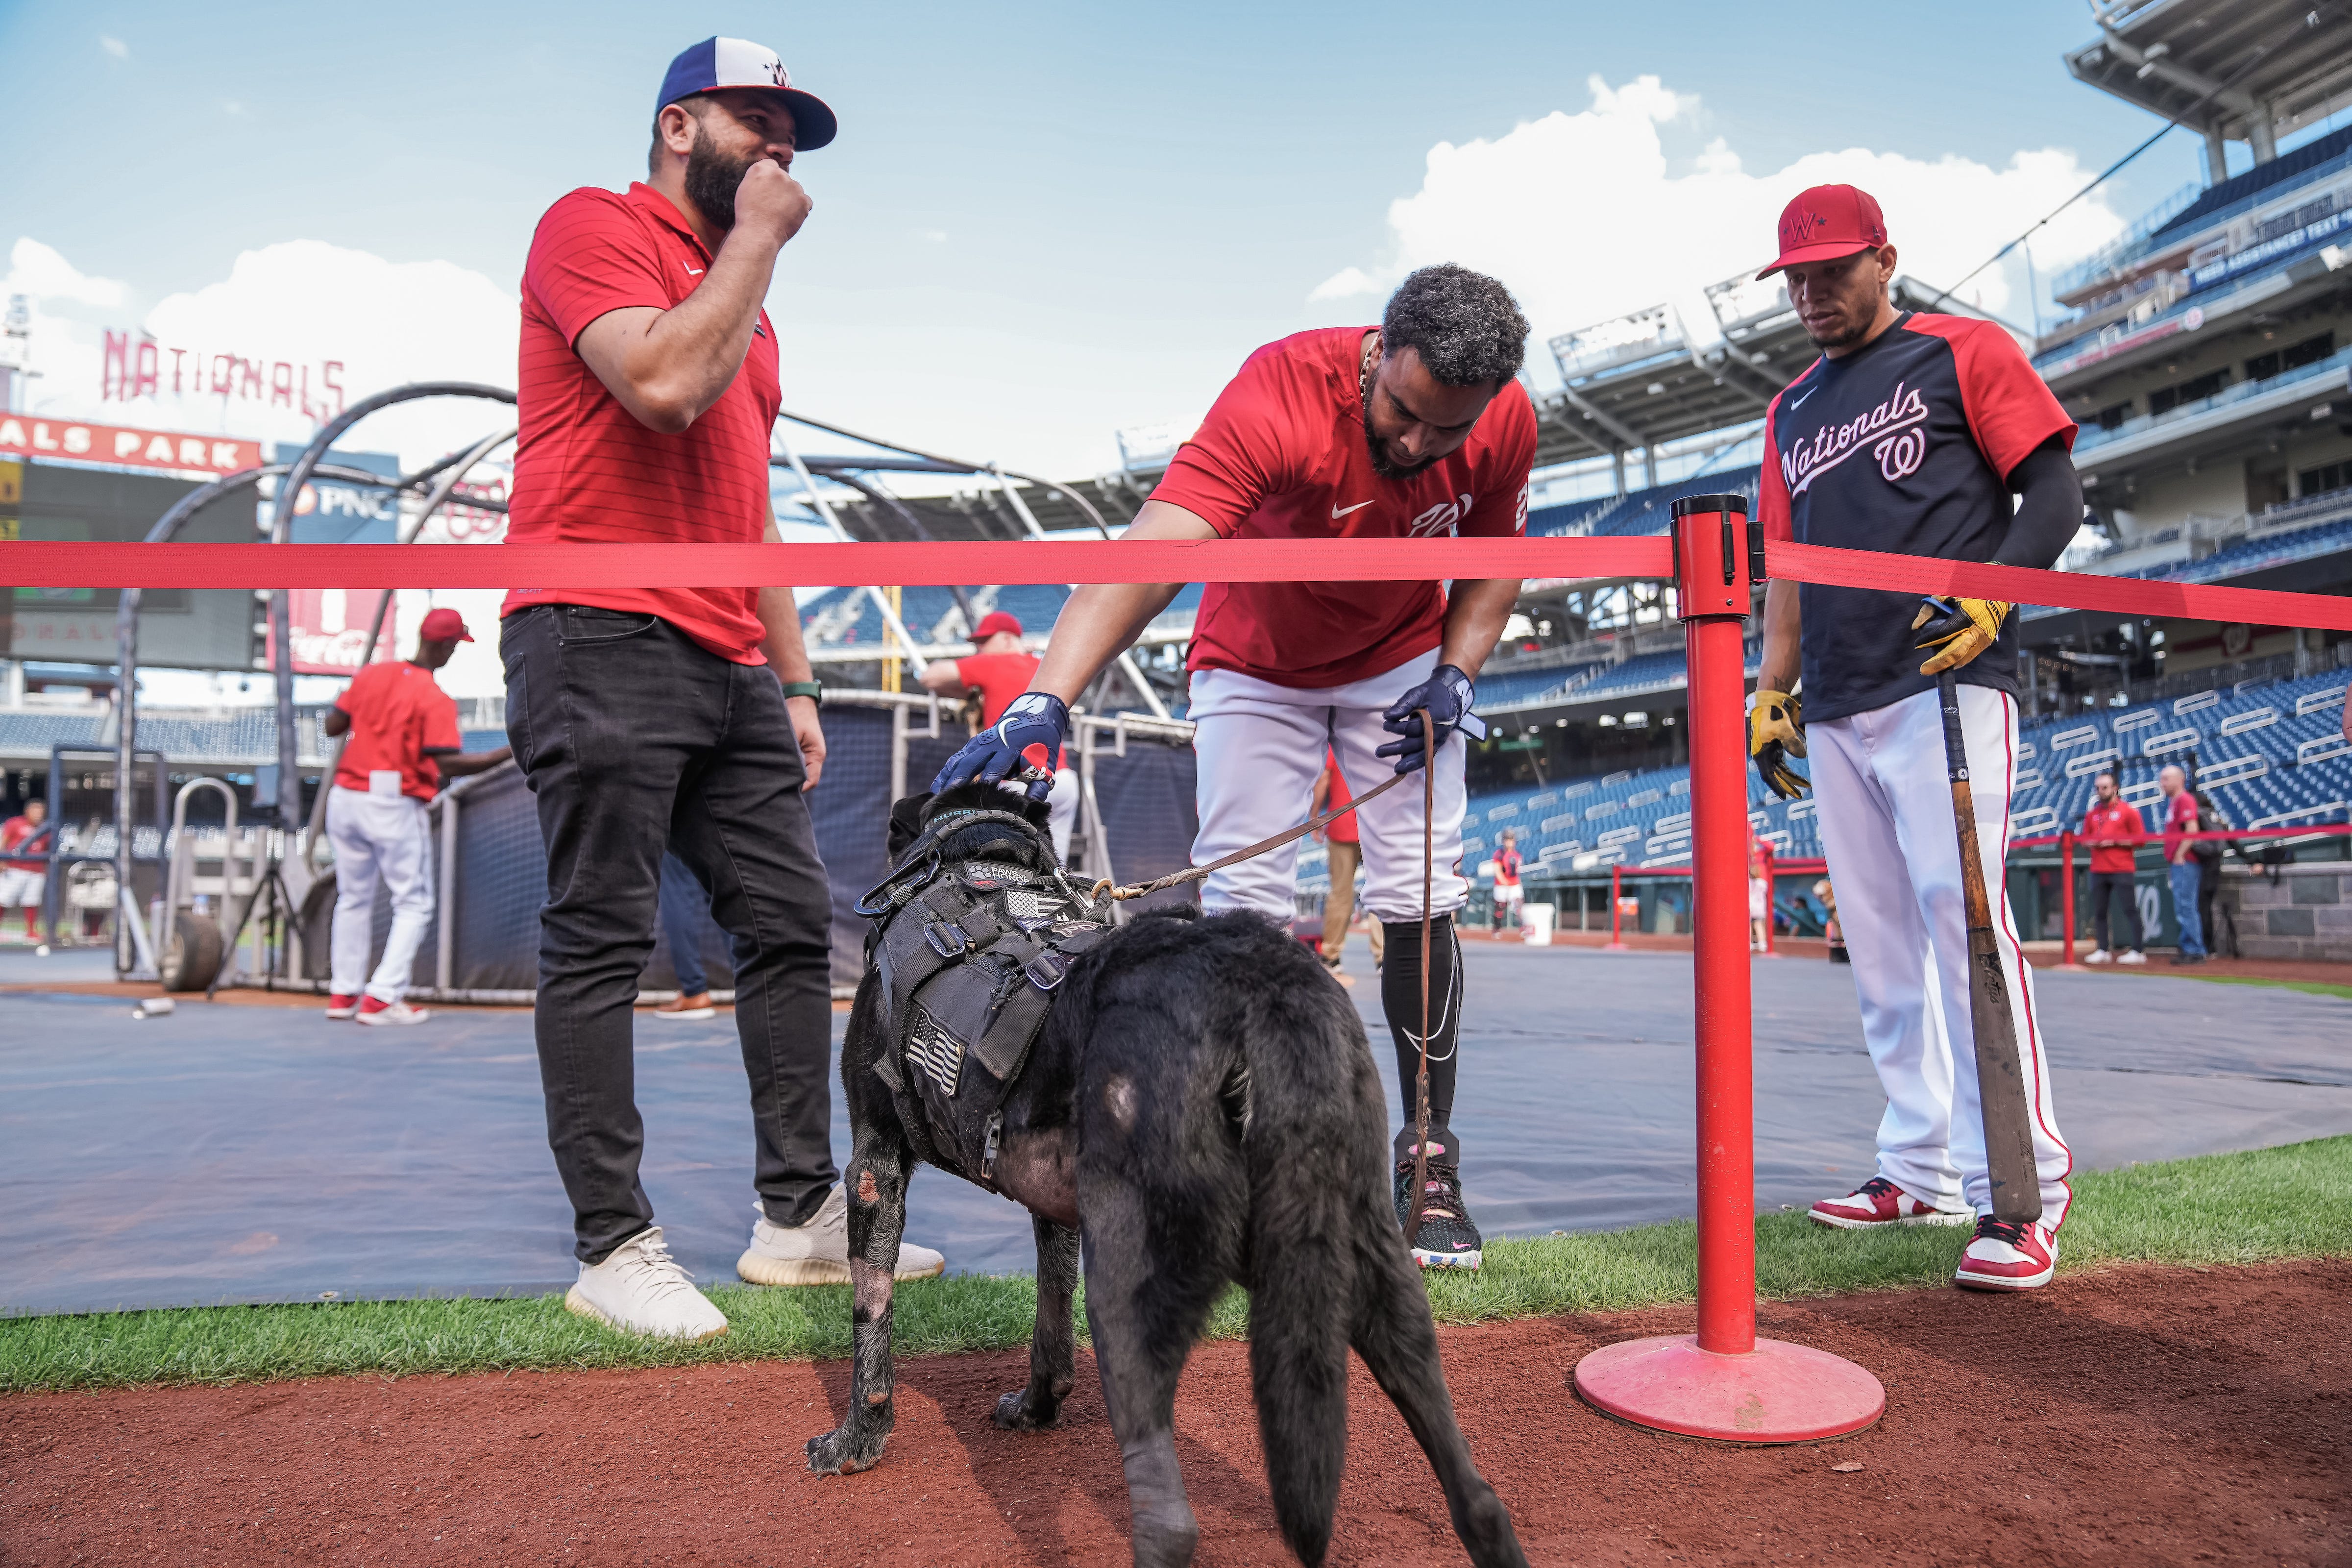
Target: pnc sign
{"x": 73, "y": 440}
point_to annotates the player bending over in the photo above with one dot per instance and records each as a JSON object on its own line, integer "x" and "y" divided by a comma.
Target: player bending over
{"x": 1415, "y": 429}
{"x": 1910, "y": 434}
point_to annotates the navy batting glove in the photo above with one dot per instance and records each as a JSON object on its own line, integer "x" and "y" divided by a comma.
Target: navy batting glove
{"x": 1446, "y": 694}
{"x": 1025, "y": 741}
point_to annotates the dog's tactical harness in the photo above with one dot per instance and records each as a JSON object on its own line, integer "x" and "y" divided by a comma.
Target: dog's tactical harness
{"x": 969, "y": 956}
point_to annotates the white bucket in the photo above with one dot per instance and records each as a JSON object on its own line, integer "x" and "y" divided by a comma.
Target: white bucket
{"x": 1534, "y": 923}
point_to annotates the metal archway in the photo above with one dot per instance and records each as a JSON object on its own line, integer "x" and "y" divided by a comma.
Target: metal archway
{"x": 449, "y": 470}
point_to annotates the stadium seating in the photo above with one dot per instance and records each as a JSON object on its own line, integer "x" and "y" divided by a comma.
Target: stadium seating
{"x": 1639, "y": 513}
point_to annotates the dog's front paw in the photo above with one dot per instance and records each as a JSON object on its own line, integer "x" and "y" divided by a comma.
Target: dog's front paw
{"x": 1019, "y": 1412}
{"x": 840, "y": 1453}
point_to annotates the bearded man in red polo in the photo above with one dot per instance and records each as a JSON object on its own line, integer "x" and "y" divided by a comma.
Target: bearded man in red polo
{"x": 646, "y": 717}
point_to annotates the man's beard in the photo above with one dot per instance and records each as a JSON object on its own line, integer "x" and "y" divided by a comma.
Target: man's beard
{"x": 710, "y": 179}
{"x": 1381, "y": 464}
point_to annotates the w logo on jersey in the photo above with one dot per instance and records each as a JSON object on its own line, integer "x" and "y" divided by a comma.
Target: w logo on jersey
{"x": 1444, "y": 517}
{"x": 1899, "y": 457}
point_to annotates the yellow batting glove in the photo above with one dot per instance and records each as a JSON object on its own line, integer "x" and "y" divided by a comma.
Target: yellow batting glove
{"x": 1776, "y": 732}
{"x": 1960, "y": 628}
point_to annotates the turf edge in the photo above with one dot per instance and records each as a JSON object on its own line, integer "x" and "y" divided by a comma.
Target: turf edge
{"x": 2294, "y": 1200}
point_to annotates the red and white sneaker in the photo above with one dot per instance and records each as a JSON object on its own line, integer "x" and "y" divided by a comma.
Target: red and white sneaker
{"x": 2004, "y": 1255}
{"x": 389, "y": 1013}
{"x": 341, "y": 1007}
{"x": 1880, "y": 1202}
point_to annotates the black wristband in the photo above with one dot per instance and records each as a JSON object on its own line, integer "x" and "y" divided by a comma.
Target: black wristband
{"x": 812, "y": 691}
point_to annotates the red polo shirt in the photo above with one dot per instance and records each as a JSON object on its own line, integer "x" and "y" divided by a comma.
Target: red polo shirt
{"x": 584, "y": 468}
{"x": 396, "y": 711}
{"x": 2114, "y": 831}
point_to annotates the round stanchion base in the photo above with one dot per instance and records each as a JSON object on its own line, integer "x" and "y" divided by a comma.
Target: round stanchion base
{"x": 1780, "y": 1393}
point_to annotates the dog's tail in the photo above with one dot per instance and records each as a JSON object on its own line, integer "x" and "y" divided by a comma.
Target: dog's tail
{"x": 1313, "y": 1143}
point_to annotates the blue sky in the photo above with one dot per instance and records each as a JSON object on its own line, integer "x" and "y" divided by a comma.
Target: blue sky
{"x": 1039, "y": 223}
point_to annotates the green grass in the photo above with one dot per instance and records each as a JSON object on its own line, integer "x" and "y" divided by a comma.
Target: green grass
{"x": 2290, "y": 1201}
{"x": 2316, "y": 988}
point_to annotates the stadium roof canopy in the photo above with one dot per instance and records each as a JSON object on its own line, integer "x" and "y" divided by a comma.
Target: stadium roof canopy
{"x": 2238, "y": 71}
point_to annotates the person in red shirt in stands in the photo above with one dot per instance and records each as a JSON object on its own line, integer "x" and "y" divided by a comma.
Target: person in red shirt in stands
{"x": 23, "y": 881}
{"x": 1000, "y": 668}
{"x": 1510, "y": 893}
{"x": 1416, "y": 428}
{"x": 685, "y": 717}
{"x": 400, "y": 741}
{"x": 2114, "y": 830}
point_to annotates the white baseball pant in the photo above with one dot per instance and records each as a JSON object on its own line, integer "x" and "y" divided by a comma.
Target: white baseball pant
{"x": 1885, "y": 814}
{"x": 385, "y": 836}
{"x": 1260, "y": 748}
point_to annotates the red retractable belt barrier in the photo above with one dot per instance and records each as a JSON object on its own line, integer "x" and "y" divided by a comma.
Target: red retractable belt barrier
{"x": 87, "y": 565}
{"x": 1724, "y": 1382}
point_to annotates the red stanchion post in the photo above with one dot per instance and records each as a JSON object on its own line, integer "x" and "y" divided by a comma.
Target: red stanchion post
{"x": 2066, "y": 895}
{"x": 1616, "y": 905}
{"x": 1724, "y": 1382}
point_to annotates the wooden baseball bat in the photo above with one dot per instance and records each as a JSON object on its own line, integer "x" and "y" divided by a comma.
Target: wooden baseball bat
{"x": 2001, "y": 1077}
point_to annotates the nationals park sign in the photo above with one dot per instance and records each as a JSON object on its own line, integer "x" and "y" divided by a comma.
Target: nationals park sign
{"x": 75, "y": 440}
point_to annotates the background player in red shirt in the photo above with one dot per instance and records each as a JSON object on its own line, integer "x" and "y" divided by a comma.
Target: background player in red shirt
{"x": 402, "y": 741}
{"x": 2180, "y": 820}
{"x": 1345, "y": 842}
{"x": 2114, "y": 828}
{"x": 23, "y": 881}
{"x": 1000, "y": 669}
{"x": 1415, "y": 429}
{"x": 1510, "y": 893}
{"x": 685, "y": 717}
{"x": 1910, "y": 435}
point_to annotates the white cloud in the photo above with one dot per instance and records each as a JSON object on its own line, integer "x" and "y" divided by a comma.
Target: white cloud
{"x": 40, "y": 271}
{"x": 1586, "y": 216}
{"x": 303, "y": 302}
{"x": 115, "y": 46}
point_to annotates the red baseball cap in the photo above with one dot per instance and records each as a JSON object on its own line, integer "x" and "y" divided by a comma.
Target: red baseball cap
{"x": 1825, "y": 223}
{"x": 443, "y": 626}
{"x": 994, "y": 621}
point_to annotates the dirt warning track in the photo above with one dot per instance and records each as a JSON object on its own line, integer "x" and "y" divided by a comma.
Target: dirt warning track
{"x": 2136, "y": 1416}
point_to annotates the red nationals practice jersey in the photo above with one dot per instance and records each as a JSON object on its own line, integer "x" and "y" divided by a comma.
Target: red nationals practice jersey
{"x": 1283, "y": 455}
{"x": 1905, "y": 446}
{"x": 584, "y": 469}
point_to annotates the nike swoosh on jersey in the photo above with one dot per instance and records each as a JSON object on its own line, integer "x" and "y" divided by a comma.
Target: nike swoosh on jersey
{"x": 1809, "y": 392}
{"x": 1339, "y": 511}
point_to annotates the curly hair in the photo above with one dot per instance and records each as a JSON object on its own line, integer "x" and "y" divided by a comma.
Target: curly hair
{"x": 1465, "y": 325}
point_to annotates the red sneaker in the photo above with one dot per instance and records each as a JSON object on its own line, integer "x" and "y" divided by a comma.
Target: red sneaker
{"x": 341, "y": 1007}
{"x": 1880, "y": 1202}
{"x": 2006, "y": 1256}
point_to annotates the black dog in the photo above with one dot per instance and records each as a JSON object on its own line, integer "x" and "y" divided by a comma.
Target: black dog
{"x": 1199, "y": 1107}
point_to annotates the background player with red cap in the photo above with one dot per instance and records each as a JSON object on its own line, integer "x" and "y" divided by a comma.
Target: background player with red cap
{"x": 999, "y": 669}
{"x": 1912, "y": 433}
{"x": 1414, "y": 429}
{"x": 403, "y": 742}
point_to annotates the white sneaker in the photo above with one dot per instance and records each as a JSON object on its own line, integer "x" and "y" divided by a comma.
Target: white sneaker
{"x": 640, "y": 1290}
{"x": 389, "y": 1015}
{"x": 2097, "y": 955}
{"x": 817, "y": 1253}
{"x": 2134, "y": 956}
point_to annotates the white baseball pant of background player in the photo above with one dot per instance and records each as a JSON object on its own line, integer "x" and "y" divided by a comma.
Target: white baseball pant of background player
{"x": 378, "y": 836}
{"x": 1884, "y": 801}
{"x": 1260, "y": 747}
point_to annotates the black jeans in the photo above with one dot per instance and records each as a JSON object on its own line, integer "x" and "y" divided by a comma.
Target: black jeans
{"x": 2109, "y": 888}
{"x": 634, "y": 737}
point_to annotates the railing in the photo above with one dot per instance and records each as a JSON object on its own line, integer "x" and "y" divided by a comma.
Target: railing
{"x": 2126, "y": 247}
{"x": 2246, "y": 391}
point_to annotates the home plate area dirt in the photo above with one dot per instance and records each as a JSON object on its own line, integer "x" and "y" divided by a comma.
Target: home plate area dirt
{"x": 2134, "y": 1417}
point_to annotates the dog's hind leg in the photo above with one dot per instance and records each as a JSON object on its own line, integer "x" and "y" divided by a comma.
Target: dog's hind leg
{"x": 1054, "y": 1348}
{"x": 1145, "y": 1312}
{"x": 876, "y": 1179}
{"x": 1393, "y": 1333}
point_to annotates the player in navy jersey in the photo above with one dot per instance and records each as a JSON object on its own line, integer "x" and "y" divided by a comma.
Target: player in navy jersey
{"x": 1919, "y": 435}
